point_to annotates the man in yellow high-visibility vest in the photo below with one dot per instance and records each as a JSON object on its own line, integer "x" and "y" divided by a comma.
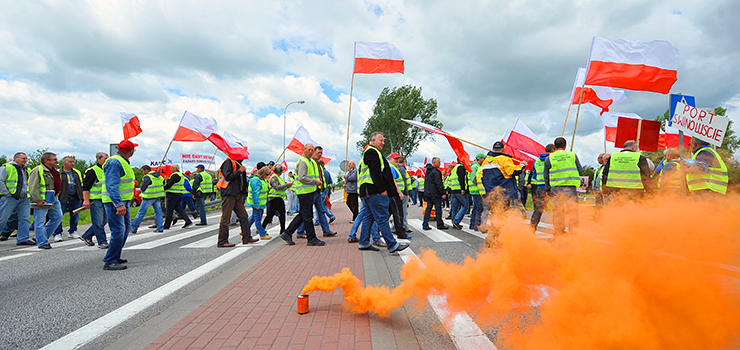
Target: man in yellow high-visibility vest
{"x": 14, "y": 197}
{"x": 118, "y": 192}
{"x": 626, "y": 174}
{"x": 562, "y": 178}
{"x": 306, "y": 186}
{"x": 92, "y": 194}
{"x": 202, "y": 189}
{"x": 174, "y": 189}
{"x": 707, "y": 175}
{"x": 44, "y": 186}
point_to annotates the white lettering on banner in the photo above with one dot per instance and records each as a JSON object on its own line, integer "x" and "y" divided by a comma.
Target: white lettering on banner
{"x": 194, "y": 158}
{"x": 155, "y": 161}
{"x": 701, "y": 124}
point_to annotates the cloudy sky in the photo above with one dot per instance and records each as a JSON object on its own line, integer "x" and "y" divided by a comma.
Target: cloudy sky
{"x": 67, "y": 68}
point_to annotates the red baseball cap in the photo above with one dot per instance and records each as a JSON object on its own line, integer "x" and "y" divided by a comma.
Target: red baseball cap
{"x": 395, "y": 155}
{"x": 126, "y": 145}
{"x": 188, "y": 172}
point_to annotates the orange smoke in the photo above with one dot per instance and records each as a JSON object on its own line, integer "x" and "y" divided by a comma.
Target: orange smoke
{"x": 639, "y": 276}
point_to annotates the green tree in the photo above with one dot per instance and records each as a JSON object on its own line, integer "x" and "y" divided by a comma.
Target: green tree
{"x": 339, "y": 179}
{"x": 405, "y": 102}
{"x": 3, "y": 159}
{"x": 34, "y": 159}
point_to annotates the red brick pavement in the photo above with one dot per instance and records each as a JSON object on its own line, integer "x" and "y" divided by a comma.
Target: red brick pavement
{"x": 258, "y": 309}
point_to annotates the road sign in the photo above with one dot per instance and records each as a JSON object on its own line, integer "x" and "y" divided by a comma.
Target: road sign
{"x": 343, "y": 165}
{"x": 676, "y": 98}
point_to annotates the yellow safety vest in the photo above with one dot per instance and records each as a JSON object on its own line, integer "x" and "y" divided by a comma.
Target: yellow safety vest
{"x": 206, "y": 184}
{"x": 11, "y": 181}
{"x": 126, "y": 185}
{"x": 155, "y": 189}
{"x": 673, "y": 181}
{"x": 311, "y": 174}
{"x": 96, "y": 191}
{"x": 472, "y": 184}
{"x": 277, "y": 193}
{"x": 262, "y": 199}
{"x": 363, "y": 171}
{"x": 714, "y": 179}
{"x": 179, "y": 186}
{"x": 399, "y": 180}
{"x": 454, "y": 179}
{"x": 624, "y": 172}
{"x": 539, "y": 172}
{"x": 563, "y": 171}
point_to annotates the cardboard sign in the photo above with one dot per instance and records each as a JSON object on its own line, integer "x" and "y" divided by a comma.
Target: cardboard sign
{"x": 194, "y": 158}
{"x": 701, "y": 124}
{"x": 154, "y": 161}
{"x": 649, "y": 133}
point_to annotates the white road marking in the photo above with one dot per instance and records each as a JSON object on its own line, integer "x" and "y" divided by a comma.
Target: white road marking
{"x": 435, "y": 234}
{"x": 464, "y": 332}
{"x": 169, "y": 239}
{"x": 234, "y": 236}
{"x": 98, "y": 327}
{"x": 15, "y": 256}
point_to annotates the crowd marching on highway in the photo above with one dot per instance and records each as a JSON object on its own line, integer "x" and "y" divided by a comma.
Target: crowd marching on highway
{"x": 378, "y": 190}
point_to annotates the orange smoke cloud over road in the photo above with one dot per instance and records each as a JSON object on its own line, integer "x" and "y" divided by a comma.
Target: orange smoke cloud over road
{"x": 642, "y": 276}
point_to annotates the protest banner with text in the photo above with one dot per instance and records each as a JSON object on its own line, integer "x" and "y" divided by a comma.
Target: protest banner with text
{"x": 194, "y": 158}
{"x": 701, "y": 124}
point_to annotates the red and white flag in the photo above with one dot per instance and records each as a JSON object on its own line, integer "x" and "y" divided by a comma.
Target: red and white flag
{"x": 373, "y": 58}
{"x": 523, "y": 139}
{"x": 285, "y": 166}
{"x": 671, "y": 139}
{"x": 455, "y": 143}
{"x": 192, "y": 128}
{"x": 131, "y": 125}
{"x": 644, "y": 65}
{"x": 599, "y": 96}
{"x": 610, "y": 121}
{"x": 301, "y": 138}
{"x": 233, "y": 146}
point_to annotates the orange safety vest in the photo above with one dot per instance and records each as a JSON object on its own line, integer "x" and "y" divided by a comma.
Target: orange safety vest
{"x": 222, "y": 183}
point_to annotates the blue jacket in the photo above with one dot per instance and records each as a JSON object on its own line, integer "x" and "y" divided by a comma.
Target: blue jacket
{"x": 533, "y": 174}
{"x": 493, "y": 176}
{"x": 113, "y": 172}
{"x": 255, "y": 184}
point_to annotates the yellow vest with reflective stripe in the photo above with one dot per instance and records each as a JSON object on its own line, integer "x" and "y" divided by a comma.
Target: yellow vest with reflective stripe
{"x": 11, "y": 181}
{"x": 454, "y": 179}
{"x": 563, "y": 171}
{"x": 312, "y": 174}
{"x": 179, "y": 186}
{"x": 399, "y": 179}
{"x": 277, "y": 193}
{"x": 421, "y": 184}
{"x": 126, "y": 185}
{"x": 42, "y": 181}
{"x": 472, "y": 183}
{"x": 623, "y": 171}
{"x": 539, "y": 172}
{"x": 714, "y": 179}
{"x": 598, "y": 177}
{"x": 262, "y": 199}
{"x": 155, "y": 189}
{"x": 206, "y": 184}
{"x": 363, "y": 172}
{"x": 672, "y": 181}
{"x": 96, "y": 191}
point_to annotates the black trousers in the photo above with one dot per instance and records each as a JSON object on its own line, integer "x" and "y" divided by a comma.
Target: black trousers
{"x": 437, "y": 203}
{"x": 275, "y": 205}
{"x": 352, "y": 203}
{"x": 305, "y": 217}
{"x": 173, "y": 204}
{"x": 397, "y": 212}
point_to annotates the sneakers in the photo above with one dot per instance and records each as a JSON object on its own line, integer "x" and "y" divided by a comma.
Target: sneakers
{"x": 266, "y": 238}
{"x": 114, "y": 267}
{"x": 457, "y": 226}
{"x": 370, "y": 248}
{"x": 187, "y": 224}
{"x": 287, "y": 239}
{"x": 316, "y": 242}
{"x": 380, "y": 244}
{"x": 301, "y": 236}
{"x": 332, "y": 219}
{"x": 330, "y": 234}
{"x": 58, "y": 238}
{"x": 353, "y": 240}
{"x": 400, "y": 247}
{"x": 45, "y": 246}
{"x": 74, "y": 235}
{"x": 443, "y": 228}
{"x": 87, "y": 241}
{"x": 103, "y": 245}
{"x": 133, "y": 232}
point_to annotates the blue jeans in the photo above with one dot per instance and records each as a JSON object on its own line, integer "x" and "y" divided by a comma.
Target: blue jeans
{"x": 200, "y": 204}
{"x": 72, "y": 204}
{"x": 319, "y": 205}
{"x": 10, "y": 225}
{"x": 324, "y": 194}
{"x": 458, "y": 207}
{"x": 98, "y": 218}
{"x": 10, "y": 205}
{"x": 42, "y": 227}
{"x": 358, "y": 221}
{"x": 256, "y": 219}
{"x": 119, "y": 226}
{"x": 475, "y": 214}
{"x": 564, "y": 202}
{"x": 377, "y": 206}
{"x": 414, "y": 195}
{"x": 145, "y": 204}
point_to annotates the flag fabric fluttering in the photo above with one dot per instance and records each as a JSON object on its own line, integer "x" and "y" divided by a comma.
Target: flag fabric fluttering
{"x": 671, "y": 139}
{"x": 285, "y": 167}
{"x": 599, "y": 96}
{"x": 131, "y": 125}
{"x": 192, "y": 128}
{"x": 610, "y": 121}
{"x": 523, "y": 139}
{"x": 455, "y": 143}
{"x": 301, "y": 138}
{"x": 374, "y": 58}
{"x": 233, "y": 146}
{"x": 644, "y": 65}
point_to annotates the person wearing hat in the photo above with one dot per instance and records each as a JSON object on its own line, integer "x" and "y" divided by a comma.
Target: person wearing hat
{"x": 497, "y": 176}
{"x": 202, "y": 188}
{"x": 174, "y": 189}
{"x": 475, "y": 214}
{"x": 537, "y": 186}
{"x": 118, "y": 192}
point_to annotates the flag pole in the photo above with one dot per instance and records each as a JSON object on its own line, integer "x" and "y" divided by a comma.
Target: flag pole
{"x": 566, "y": 119}
{"x": 639, "y": 129}
{"x": 173, "y": 139}
{"x": 578, "y": 112}
{"x": 281, "y": 154}
{"x": 349, "y": 115}
{"x": 213, "y": 159}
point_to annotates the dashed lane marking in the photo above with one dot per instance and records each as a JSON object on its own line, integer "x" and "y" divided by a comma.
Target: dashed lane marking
{"x": 434, "y": 234}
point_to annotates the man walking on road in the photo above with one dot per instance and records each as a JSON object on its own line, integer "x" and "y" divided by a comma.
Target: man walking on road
{"x": 70, "y": 195}
{"x": 537, "y": 186}
{"x": 92, "y": 194}
{"x": 117, "y": 194}
{"x": 350, "y": 186}
{"x": 14, "y": 197}
{"x": 232, "y": 183}
{"x": 44, "y": 185}
{"x": 306, "y": 186}
{"x": 434, "y": 193}
{"x": 477, "y": 212}
{"x": 375, "y": 181}
{"x": 152, "y": 190}
{"x": 458, "y": 187}
{"x": 174, "y": 189}
{"x": 562, "y": 178}
{"x": 202, "y": 189}
{"x": 626, "y": 175}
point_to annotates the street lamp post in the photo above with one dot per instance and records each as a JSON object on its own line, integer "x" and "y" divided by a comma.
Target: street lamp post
{"x": 285, "y": 116}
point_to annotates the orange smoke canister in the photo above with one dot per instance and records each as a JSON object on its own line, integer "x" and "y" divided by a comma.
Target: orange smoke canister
{"x": 303, "y": 304}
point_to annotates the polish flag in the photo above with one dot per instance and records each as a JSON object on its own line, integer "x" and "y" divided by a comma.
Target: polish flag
{"x": 454, "y": 142}
{"x": 285, "y": 166}
{"x": 131, "y": 125}
{"x": 599, "y": 96}
{"x": 519, "y": 155}
{"x": 233, "y": 146}
{"x": 523, "y": 139}
{"x": 610, "y": 121}
{"x": 671, "y": 139}
{"x": 301, "y": 138}
{"x": 373, "y": 58}
{"x": 644, "y": 65}
{"x": 192, "y": 128}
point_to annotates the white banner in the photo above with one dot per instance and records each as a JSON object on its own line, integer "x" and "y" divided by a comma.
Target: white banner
{"x": 154, "y": 161}
{"x": 194, "y": 158}
{"x": 701, "y": 124}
